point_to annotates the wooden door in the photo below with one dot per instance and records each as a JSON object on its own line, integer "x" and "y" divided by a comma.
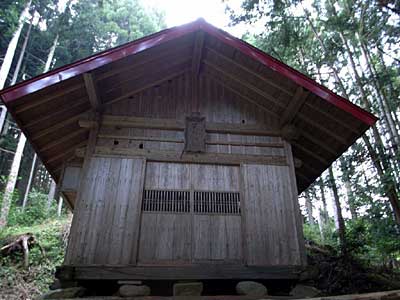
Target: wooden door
{"x": 190, "y": 214}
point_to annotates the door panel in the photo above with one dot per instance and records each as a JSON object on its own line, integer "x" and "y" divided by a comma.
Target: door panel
{"x": 190, "y": 214}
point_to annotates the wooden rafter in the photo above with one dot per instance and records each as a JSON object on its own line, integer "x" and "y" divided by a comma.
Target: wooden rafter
{"x": 55, "y": 127}
{"x": 254, "y": 73}
{"x": 241, "y": 95}
{"x": 144, "y": 59}
{"x": 311, "y": 153}
{"x": 59, "y": 113}
{"x": 64, "y": 139}
{"x": 241, "y": 82}
{"x": 155, "y": 81}
{"x": 294, "y": 106}
{"x": 66, "y": 153}
{"x": 50, "y": 97}
{"x": 91, "y": 89}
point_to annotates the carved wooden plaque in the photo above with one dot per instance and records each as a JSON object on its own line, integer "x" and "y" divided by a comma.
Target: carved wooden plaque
{"x": 195, "y": 133}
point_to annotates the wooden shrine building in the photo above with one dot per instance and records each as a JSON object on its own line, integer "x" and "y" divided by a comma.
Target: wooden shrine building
{"x": 182, "y": 155}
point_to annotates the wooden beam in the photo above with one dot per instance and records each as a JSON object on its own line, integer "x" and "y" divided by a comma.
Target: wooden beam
{"x": 146, "y": 86}
{"x": 234, "y": 90}
{"x": 318, "y": 143}
{"x": 92, "y": 92}
{"x": 240, "y": 81}
{"x": 59, "y": 93}
{"x": 181, "y": 141}
{"x": 51, "y": 129}
{"x": 65, "y": 153}
{"x": 178, "y": 125}
{"x": 199, "y": 272}
{"x": 311, "y": 153}
{"x": 143, "y": 58}
{"x": 178, "y": 156}
{"x": 331, "y": 117}
{"x": 56, "y": 113}
{"x": 252, "y": 72}
{"x": 294, "y": 106}
{"x": 63, "y": 139}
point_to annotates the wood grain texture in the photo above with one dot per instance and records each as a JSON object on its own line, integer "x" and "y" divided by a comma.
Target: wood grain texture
{"x": 108, "y": 218}
{"x": 271, "y": 229}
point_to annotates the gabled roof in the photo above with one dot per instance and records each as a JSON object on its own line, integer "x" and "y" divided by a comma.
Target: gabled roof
{"x": 47, "y": 107}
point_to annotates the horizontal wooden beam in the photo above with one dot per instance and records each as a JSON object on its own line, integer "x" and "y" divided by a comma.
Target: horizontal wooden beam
{"x": 177, "y": 125}
{"x": 175, "y": 156}
{"x": 196, "y": 272}
{"x": 181, "y": 141}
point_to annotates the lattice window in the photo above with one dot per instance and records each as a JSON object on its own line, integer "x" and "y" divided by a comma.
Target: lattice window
{"x": 166, "y": 201}
{"x": 216, "y": 202}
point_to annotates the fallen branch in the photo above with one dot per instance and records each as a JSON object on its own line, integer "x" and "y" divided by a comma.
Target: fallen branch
{"x": 21, "y": 243}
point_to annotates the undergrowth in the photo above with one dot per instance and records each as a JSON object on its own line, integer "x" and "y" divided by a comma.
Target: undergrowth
{"x": 19, "y": 283}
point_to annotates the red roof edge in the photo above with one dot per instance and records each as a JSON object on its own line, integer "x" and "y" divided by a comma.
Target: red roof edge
{"x": 97, "y": 60}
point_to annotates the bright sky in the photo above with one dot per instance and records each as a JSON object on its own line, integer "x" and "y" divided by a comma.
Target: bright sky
{"x": 178, "y": 12}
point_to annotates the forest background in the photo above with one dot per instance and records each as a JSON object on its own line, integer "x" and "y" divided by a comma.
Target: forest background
{"x": 350, "y": 46}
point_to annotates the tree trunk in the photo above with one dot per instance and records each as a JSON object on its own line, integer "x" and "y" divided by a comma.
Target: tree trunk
{"x": 345, "y": 168}
{"x": 338, "y": 212}
{"x": 390, "y": 190}
{"x": 309, "y": 209}
{"x": 21, "y": 54}
{"x": 50, "y": 196}
{"x": 12, "y": 180}
{"x": 28, "y": 186}
{"x": 8, "y": 58}
{"x": 47, "y": 66}
{"x": 51, "y": 55}
{"x": 59, "y": 207}
{"x": 380, "y": 156}
{"x": 323, "y": 213}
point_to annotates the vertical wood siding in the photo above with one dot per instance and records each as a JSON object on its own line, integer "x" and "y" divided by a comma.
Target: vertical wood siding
{"x": 271, "y": 232}
{"x": 107, "y": 219}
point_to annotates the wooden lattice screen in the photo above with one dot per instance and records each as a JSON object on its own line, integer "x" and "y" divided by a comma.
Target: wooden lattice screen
{"x": 204, "y": 202}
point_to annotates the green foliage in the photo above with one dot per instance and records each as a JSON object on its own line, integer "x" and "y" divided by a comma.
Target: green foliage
{"x": 34, "y": 213}
{"x": 17, "y": 282}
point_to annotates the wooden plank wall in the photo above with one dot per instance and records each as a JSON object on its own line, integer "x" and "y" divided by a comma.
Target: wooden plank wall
{"x": 106, "y": 220}
{"x": 109, "y": 224}
{"x": 269, "y": 215}
{"x": 170, "y": 101}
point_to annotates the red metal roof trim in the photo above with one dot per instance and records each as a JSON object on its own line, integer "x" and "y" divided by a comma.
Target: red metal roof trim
{"x": 105, "y": 57}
